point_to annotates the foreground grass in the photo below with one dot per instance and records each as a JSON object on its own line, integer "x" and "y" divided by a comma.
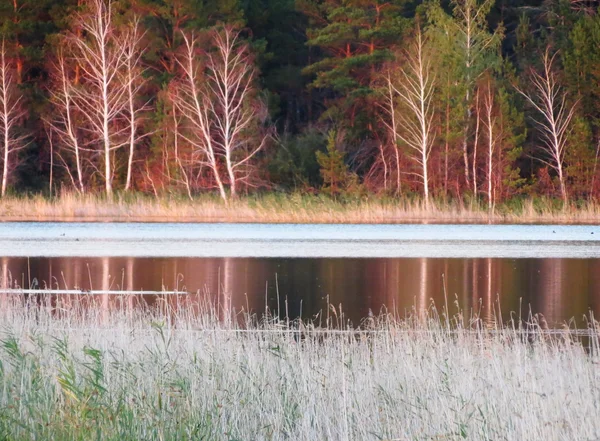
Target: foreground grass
{"x": 75, "y": 374}
{"x": 282, "y": 208}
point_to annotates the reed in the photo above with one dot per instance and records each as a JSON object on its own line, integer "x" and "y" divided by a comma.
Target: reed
{"x": 193, "y": 371}
{"x": 287, "y": 208}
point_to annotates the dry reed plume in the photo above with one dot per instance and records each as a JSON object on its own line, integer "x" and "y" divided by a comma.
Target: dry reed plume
{"x": 71, "y": 373}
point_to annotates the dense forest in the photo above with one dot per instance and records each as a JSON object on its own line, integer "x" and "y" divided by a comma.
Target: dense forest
{"x": 487, "y": 98}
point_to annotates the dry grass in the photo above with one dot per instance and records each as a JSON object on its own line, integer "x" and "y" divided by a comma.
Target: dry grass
{"x": 74, "y": 374}
{"x": 278, "y": 208}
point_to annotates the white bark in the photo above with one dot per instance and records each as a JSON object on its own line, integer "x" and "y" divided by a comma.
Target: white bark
{"x": 63, "y": 123}
{"x": 550, "y": 101}
{"x": 415, "y": 89}
{"x": 11, "y": 111}
{"x": 489, "y": 124}
{"x": 392, "y": 126}
{"x": 184, "y": 173}
{"x": 231, "y": 77}
{"x": 191, "y": 100}
{"x": 218, "y": 104}
{"x": 133, "y": 82}
{"x": 476, "y": 144}
{"x": 102, "y": 98}
{"x": 472, "y": 42}
{"x": 385, "y": 167}
{"x": 468, "y": 32}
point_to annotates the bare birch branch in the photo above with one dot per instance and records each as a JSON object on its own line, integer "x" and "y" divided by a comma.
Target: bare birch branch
{"x": 550, "y": 101}
{"x": 11, "y": 113}
{"x": 415, "y": 89}
{"x": 218, "y": 101}
{"x": 102, "y": 99}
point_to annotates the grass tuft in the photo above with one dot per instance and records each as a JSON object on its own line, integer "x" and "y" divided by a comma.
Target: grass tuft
{"x": 184, "y": 372}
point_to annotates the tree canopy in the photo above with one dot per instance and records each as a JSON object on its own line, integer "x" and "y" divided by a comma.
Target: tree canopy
{"x": 143, "y": 110}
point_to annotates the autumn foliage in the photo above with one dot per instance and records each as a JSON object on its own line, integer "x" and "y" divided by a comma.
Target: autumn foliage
{"x": 446, "y": 101}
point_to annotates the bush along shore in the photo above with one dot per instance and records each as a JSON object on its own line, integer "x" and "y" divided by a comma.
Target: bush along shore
{"x": 69, "y": 372}
{"x": 289, "y": 208}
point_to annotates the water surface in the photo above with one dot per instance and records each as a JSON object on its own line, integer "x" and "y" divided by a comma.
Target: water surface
{"x": 296, "y": 240}
{"x": 552, "y": 271}
{"x": 557, "y": 288}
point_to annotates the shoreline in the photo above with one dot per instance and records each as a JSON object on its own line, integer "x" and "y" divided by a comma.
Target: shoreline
{"x": 280, "y": 209}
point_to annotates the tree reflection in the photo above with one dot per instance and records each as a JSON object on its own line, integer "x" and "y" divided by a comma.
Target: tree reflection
{"x": 556, "y": 288}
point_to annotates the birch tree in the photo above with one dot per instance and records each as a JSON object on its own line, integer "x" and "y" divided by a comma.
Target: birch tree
{"x": 389, "y": 119}
{"x": 231, "y": 75}
{"x": 492, "y": 139}
{"x": 193, "y": 102}
{"x": 133, "y": 82}
{"x": 219, "y": 101}
{"x": 63, "y": 121}
{"x": 11, "y": 112}
{"x": 102, "y": 97}
{"x": 554, "y": 116}
{"x": 475, "y": 44}
{"x": 468, "y": 50}
{"x": 415, "y": 88}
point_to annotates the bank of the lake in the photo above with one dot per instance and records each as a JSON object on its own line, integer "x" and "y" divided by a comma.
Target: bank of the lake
{"x": 157, "y": 374}
{"x": 289, "y": 208}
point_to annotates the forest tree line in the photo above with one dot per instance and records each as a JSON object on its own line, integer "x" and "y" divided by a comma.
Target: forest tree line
{"x": 491, "y": 98}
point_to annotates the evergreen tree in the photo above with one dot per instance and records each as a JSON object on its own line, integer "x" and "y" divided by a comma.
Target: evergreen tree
{"x": 334, "y": 171}
{"x": 581, "y": 160}
{"x": 354, "y": 37}
{"x": 467, "y": 49}
{"x": 280, "y": 31}
{"x": 581, "y": 62}
{"x": 510, "y": 130}
{"x": 167, "y": 19}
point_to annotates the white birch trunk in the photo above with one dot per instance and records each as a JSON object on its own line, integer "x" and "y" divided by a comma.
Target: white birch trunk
{"x": 195, "y": 106}
{"x": 415, "y": 89}
{"x": 133, "y": 82}
{"x": 489, "y": 105}
{"x": 218, "y": 101}
{"x": 10, "y": 114}
{"x": 102, "y": 96}
{"x": 550, "y": 101}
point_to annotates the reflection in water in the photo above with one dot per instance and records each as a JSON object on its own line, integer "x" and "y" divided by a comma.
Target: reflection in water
{"x": 423, "y": 294}
{"x": 557, "y": 289}
{"x": 4, "y": 282}
{"x": 488, "y": 300}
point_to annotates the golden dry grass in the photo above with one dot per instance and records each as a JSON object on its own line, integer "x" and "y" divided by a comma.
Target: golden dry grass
{"x": 276, "y": 208}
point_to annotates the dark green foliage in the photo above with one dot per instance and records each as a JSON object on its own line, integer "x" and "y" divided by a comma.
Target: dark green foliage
{"x": 336, "y": 177}
{"x": 510, "y": 150}
{"x": 294, "y": 165}
{"x": 281, "y": 30}
{"x": 581, "y": 160}
{"x": 581, "y": 61}
{"x": 354, "y": 38}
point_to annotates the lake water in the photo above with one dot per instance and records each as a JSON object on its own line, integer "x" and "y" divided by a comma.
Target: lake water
{"x": 551, "y": 270}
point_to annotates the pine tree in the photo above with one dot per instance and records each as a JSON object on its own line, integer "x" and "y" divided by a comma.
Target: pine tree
{"x": 581, "y": 159}
{"x": 581, "y": 62}
{"x": 509, "y": 133}
{"x": 333, "y": 169}
{"x": 279, "y": 28}
{"x": 355, "y": 37}
{"x": 26, "y": 22}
